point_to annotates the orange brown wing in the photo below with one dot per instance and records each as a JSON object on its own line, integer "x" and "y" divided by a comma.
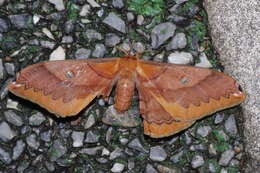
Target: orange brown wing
{"x": 173, "y": 96}
{"x": 66, "y": 87}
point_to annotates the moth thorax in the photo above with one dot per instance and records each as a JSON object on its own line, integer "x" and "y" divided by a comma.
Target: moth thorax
{"x": 124, "y": 93}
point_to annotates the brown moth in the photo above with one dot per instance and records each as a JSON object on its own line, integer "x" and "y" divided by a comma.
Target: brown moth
{"x": 171, "y": 97}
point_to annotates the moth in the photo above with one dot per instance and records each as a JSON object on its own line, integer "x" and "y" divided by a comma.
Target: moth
{"x": 171, "y": 97}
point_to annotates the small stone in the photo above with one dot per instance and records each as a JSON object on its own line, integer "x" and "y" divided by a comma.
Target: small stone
{"x": 204, "y": 62}
{"x": 1, "y": 69}
{"x": 223, "y": 170}
{"x": 198, "y": 147}
{"x": 109, "y": 135}
{"x": 91, "y": 151}
{"x": 123, "y": 141}
{"x": 176, "y": 157}
{"x": 212, "y": 150}
{"x": 50, "y": 166}
{"x": 164, "y": 169}
{"x": 118, "y": 3}
{"x": 86, "y": 9}
{"x": 32, "y": 141}
{"x": 82, "y": 53}
{"x": 57, "y": 54}
{"x": 112, "y": 39}
{"x": 93, "y": 3}
{"x": 136, "y": 145}
{"x": 10, "y": 68}
{"x": 117, "y": 168}
{"x": 36, "y": 19}
{"x": 92, "y": 34}
{"x": 150, "y": 169}
{"x": 90, "y": 121}
{"x": 225, "y": 157}
{"x": 5, "y": 156}
{"x": 13, "y": 118}
{"x": 4, "y": 89}
{"x": 162, "y": 33}
{"x": 59, "y": 5}
{"x": 139, "y": 47}
{"x": 212, "y": 168}
{"x": 36, "y": 119}
{"x": 230, "y": 125}
{"x": 6, "y": 133}
{"x": 126, "y": 119}
{"x": 57, "y": 150}
{"x": 179, "y": 41}
{"x": 180, "y": 58}
{"x": 197, "y": 161}
{"x": 2, "y": 2}
{"x": 91, "y": 137}
{"x": 78, "y": 138}
{"x": 115, "y": 22}
{"x": 21, "y": 21}
{"x": 140, "y": 20}
{"x": 67, "y": 39}
{"x": 219, "y": 118}
{"x": 3, "y": 25}
{"x": 105, "y": 152}
{"x": 48, "y": 33}
{"x": 116, "y": 153}
{"x": 102, "y": 160}
{"x": 46, "y": 136}
{"x": 18, "y": 149}
{"x": 69, "y": 26}
{"x": 47, "y": 44}
{"x": 100, "y": 12}
{"x": 204, "y": 131}
{"x": 157, "y": 153}
{"x": 130, "y": 16}
{"x": 130, "y": 164}
{"x": 99, "y": 51}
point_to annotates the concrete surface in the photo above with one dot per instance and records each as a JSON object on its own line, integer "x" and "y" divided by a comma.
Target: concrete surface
{"x": 235, "y": 30}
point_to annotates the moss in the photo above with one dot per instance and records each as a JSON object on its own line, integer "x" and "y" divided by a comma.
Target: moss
{"x": 72, "y": 11}
{"x": 147, "y": 7}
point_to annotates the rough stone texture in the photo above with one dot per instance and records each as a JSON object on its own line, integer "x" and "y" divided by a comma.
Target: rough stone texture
{"x": 234, "y": 26}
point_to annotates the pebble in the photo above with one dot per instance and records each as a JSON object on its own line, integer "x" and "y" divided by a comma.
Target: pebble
{"x": 126, "y": 119}
{"x": 93, "y": 3}
{"x": 78, "y": 138}
{"x": 21, "y": 21}
{"x": 179, "y": 41}
{"x": 13, "y": 118}
{"x": 140, "y": 20}
{"x": 2, "y": 2}
{"x": 230, "y": 125}
{"x": 67, "y": 39}
{"x": 32, "y": 141}
{"x": 69, "y": 26}
{"x": 5, "y": 156}
{"x": 115, "y": 22}
{"x": 164, "y": 169}
{"x": 59, "y": 5}
{"x": 10, "y": 68}
{"x": 58, "y": 54}
{"x": 130, "y": 16}
{"x": 47, "y": 44}
{"x": 197, "y": 161}
{"x": 118, "y": 3}
{"x": 136, "y": 145}
{"x": 176, "y": 157}
{"x": 36, "y": 119}
{"x": 46, "y": 136}
{"x": 6, "y": 133}
{"x": 1, "y": 70}
{"x": 85, "y": 10}
{"x": 204, "y": 131}
{"x": 219, "y": 118}
{"x": 204, "y": 62}
{"x": 116, "y": 153}
{"x": 82, "y": 53}
{"x": 36, "y": 19}
{"x": 157, "y": 153}
{"x": 57, "y": 150}
{"x": 150, "y": 169}
{"x": 90, "y": 121}
{"x": 93, "y": 35}
{"x": 91, "y": 151}
{"x": 4, "y": 89}
{"x": 91, "y": 137}
{"x": 180, "y": 58}
{"x": 117, "y": 168}
{"x": 112, "y": 39}
{"x": 3, "y": 25}
{"x": 162, "y": 33}
{"x": 212, "y": 150}
{"x": 225, "y": 157}
{"x": 48, "y": 33}
{"x": 18, "y": 149}
{"x": 99, "y": 50}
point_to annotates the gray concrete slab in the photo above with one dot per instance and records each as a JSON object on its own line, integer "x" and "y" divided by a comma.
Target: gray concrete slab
{"x": 235, "y": 30}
